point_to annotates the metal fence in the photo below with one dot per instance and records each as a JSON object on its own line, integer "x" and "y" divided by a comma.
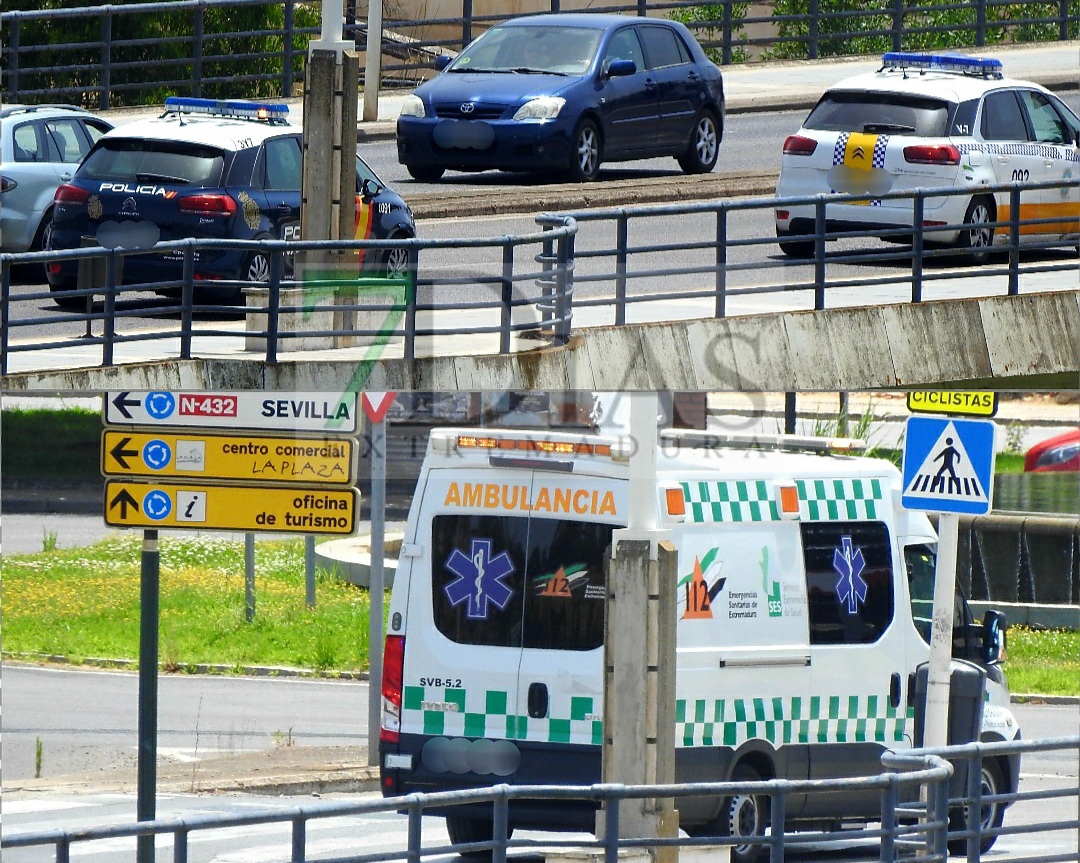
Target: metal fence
{"x": 129, "y": 54}
{"x": 588, "y": 268}
{"x": 919, "y": 821}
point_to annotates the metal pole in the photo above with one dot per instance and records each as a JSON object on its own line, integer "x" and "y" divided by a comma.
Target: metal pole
{"x": 373, "y": 61}
{"x": 148, "y": 667}
{"x": 376, "y": 586}
{"x": 789, "y": 413}
{"x": 938, "y": 678}
{"x": 309, "y": 570}
{"x": 249, "y": 577}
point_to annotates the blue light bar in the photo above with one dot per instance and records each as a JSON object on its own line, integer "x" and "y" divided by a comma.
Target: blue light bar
{"x": 237, "y": 108}
{"x": 988, "y": 67}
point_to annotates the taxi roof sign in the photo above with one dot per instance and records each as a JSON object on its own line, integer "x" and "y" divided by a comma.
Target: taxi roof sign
{"x": 968, "y": 403}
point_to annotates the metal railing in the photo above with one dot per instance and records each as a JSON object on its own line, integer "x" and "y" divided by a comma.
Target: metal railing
{"x": 918, "y": 819}
{"x": 569, "y": 275}
{"x": 124, "y": 54}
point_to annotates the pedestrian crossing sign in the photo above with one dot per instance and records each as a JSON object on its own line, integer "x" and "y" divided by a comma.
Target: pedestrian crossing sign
{"x": 948, "y": 465}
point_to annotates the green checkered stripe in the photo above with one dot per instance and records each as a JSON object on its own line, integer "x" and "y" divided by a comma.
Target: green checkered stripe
{"x": 483, "y": 713}
{"x": 815, "y": 719}
{"x": 819, "y": 500}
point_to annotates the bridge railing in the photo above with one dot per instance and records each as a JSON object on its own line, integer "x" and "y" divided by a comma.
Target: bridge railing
{"x": 588, "y": 268}
{"x": 919, "y": 818}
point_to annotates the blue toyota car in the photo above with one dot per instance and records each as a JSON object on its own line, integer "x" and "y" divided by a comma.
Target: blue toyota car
{"x": 564, "y": 93}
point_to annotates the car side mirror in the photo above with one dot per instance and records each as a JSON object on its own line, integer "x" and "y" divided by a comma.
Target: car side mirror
{"x": 620, "y": 68}
{"x": 993, "y": 637}
{"x": 442, "y": 61}
{"x": 369, "y": 188}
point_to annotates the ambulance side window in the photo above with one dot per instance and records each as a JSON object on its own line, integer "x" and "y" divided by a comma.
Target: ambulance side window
{"x": 849, "y": 581}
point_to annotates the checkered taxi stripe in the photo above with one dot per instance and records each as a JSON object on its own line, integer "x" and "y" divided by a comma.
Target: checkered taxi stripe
{"x": 814, "y": 719}
{"x": 459, "y": 712}
{"x": 819, "y": 500}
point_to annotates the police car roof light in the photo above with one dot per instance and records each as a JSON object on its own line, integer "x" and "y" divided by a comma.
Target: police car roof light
{"x": 961, "y": 64}
{"x": 240, "y": 109}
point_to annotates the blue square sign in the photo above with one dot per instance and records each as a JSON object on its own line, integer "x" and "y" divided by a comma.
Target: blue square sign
{"x": 948, "y": 465}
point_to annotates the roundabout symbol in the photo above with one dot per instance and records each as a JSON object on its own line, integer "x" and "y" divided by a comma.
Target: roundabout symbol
{"x": 156, "y": 454}
{"x": 157, "y": 505}
{"x": 160, "y": 405}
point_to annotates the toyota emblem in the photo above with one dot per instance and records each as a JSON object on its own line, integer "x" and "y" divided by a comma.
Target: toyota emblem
{"x": 467, "y": 107}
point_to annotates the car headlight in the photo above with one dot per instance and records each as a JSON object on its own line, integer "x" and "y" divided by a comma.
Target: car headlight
{"x": 542, "y": 108}
{"x": 413, "y": 106}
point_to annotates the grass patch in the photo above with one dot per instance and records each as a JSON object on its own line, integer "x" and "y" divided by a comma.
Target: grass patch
{"x": 84, "y": 602}
{"x": 58, "y": 446}
{"x": 1044, "y": 661}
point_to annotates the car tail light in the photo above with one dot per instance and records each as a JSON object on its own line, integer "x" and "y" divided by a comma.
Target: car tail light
{"x": 783, "y": 215}
{"x": 932, "y": 154}
{"x": 392, "y": 678}
{"x": 66, "y": 194}
{"x": 7, "y": 184}
{"x": 214, "y": 204}
{"x": 797, "y": 145}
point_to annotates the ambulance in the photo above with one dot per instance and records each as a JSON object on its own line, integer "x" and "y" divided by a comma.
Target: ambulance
{"x": 803, "y": 597}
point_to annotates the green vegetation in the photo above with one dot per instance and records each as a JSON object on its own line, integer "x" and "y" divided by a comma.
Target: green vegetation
{"x": 84, "y": 603}
{"x": 59, "y": 445}
{"x": 1045, "y": 661}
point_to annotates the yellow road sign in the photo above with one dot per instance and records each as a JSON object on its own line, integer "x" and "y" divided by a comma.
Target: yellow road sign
{"x": 955, "y": 402}
{"x": 228, "y": 507}
{"x": 247, "y": 458}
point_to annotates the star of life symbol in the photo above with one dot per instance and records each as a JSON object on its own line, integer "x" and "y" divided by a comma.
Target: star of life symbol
{"x": 479, "y": 579}
{"x": 849, "y": 564}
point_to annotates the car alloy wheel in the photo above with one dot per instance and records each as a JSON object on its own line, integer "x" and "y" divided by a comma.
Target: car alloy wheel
{"x": 700, "y": 156}
{"x": 978, "y": 234}
{"x": 258, "y": 269}
{"x": 585, "y": 158}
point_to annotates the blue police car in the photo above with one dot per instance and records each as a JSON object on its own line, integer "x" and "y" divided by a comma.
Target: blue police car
{"x": 205, "y": 169}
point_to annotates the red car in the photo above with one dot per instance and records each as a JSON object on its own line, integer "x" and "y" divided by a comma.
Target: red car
{"x": 1061, "y": 452}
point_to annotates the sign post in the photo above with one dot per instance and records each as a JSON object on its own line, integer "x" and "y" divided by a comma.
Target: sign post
{"x": 146, "y": 769}
{"x": 948, "y": 468}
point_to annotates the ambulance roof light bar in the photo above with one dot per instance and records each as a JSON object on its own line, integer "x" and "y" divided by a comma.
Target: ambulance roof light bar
{"x": 696, "y": 439}
{"x": 448, "y": 442}
{"x": 238, "y": 109}
{"x": 959, "y": 64}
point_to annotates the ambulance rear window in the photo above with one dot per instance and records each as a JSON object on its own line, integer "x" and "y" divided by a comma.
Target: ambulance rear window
{"x": 514, "y": 581}
{"x": 849, "y": 581}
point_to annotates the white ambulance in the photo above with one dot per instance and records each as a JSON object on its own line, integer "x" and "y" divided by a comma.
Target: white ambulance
{"x": 803, "y": 615}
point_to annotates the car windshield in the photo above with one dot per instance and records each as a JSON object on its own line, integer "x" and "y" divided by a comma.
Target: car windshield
{"x": 166, "y": 162}
{"x": 883, "y": 113}
{"x": 530, "y": 50}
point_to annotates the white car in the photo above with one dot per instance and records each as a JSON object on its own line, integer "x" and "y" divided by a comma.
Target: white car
{"x": 932, "y": 121}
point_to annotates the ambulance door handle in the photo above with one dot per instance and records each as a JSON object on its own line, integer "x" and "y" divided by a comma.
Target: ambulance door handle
{"x": 538, "y": 700}
{"x": 894, "y": 689}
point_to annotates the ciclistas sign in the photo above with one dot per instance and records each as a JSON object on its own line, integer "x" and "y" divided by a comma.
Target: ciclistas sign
{"x": 221, "y": 507}
{"x": 242, "y": 409}
{"x": 954, "y": 402}
{"x": 243, "y": 458}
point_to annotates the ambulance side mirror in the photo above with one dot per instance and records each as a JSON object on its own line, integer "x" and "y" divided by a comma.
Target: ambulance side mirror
{"x": 993, "y": 638}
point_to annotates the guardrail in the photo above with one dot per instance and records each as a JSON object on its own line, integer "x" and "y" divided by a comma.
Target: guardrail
{"x": 908, "y": 828}
{"x": 124, "y": 54}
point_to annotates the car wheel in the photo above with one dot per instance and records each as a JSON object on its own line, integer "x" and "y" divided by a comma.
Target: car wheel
{"x": 425, "y": 173}
{"x": 977, "y": 237}
{"x": 258, "y": 268}
{"x": 394, "y": 263}
{"x": 704, "y": 147}
{"x": 462, "y": 830}
{"x": 991, "y": 813}
{"x": 744, "y": 816}
{"x": 800, "y": 248}
{"x": 585, "y": 152}
{"x": 61, "y": 295}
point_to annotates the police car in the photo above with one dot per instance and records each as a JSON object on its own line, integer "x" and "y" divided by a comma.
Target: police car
{"x": 205, "y": 169}
{"x": 933, "y": 121}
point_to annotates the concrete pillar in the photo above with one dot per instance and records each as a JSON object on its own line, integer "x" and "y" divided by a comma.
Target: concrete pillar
{"x": 328, "y": 195}
{"x": 639, "y": 685}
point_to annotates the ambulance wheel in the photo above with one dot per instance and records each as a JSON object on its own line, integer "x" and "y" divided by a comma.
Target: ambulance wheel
{"x": 745, "y": 816}
{"x": 977, "y": 237}
{"x": 464, "y": 830}
{"x": 991, "y": 813}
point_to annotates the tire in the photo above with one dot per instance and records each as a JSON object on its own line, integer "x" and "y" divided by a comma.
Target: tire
{"x": 462, "y": 830}
{"x": 977, "y": 237}
{"x": 800, "y": 248}
{"x": 585, "y": 153}
{"x": 61, "y": 295}
{"x": 704, "y": 147}
{"x": 257, "y": 269}
{"x": 425, "y": 173}
{"x": 744, "y": 816}
{"x": 394, "y": 263}
{"x": 991, "y": 815}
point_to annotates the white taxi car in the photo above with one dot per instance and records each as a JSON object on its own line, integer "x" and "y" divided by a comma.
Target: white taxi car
{"x": 933, "y": 121}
